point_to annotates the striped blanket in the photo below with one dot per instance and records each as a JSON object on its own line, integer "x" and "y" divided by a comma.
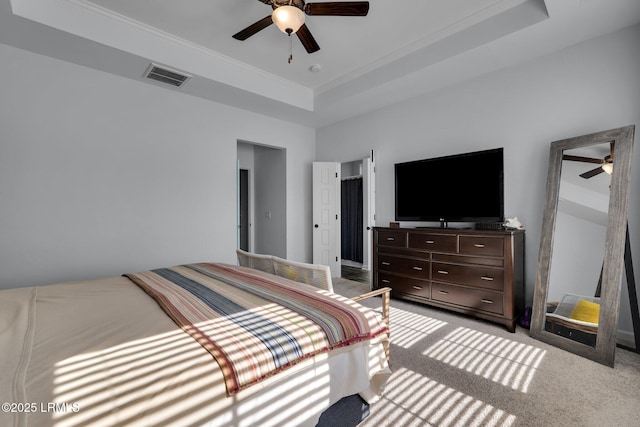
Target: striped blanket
{"x": 255, "y": 325}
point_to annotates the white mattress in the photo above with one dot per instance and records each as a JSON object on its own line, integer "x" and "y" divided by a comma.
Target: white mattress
{"x": 102, "y": 352}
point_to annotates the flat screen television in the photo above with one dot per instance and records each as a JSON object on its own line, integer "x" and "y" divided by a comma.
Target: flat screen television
{"x": 465, "y": 187}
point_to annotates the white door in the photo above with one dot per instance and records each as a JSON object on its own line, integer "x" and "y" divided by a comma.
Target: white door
{"x": 326, "y": 219}
{"x": 368, "y": 208}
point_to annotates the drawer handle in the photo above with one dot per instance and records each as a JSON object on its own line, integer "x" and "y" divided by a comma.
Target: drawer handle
{"x": 386, "y": 281}
{"x": 391, "y": 239}
{"x": 430, "y": 242}
{"x": 443, "y": 292}
{"x": 443, "y": 272}
{"x": 486, "y": 301}
{"x": 478, "y": 245}
{"x": 488, "y": 278}
{"x": 417, "y": 268}
{"x": 386, "y": 263}
{"x": 418, "y": 288}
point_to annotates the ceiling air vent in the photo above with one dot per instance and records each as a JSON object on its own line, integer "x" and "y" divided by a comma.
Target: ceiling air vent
{"x": 166, "y": 75}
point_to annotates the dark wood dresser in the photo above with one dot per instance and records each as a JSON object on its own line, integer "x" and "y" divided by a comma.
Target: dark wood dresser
{"x": 476, "y": 272}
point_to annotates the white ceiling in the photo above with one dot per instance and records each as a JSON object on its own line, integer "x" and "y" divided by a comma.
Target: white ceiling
{"x": 348, "y": 45}
{"x": 403, "y": 48}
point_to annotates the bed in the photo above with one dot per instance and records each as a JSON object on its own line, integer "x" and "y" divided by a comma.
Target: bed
{"x": 135, "y": 350}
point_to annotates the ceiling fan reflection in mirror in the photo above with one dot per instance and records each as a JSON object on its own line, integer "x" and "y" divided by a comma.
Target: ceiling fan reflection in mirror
{"x": 289, "y": 17}
{"x": 606, "y": 164}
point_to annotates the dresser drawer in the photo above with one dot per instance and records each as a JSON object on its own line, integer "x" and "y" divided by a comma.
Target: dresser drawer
{"x": 475, "y": 245}
{"x": 392, "y": 238}
{"x": 482, "y": 277}
{"x": 409, "y": 266}
{"x": 476, "y": 299}
{"x": 433, "y": 242}
{"x": 468, "y": 259}
{"x": 405, "y": 285}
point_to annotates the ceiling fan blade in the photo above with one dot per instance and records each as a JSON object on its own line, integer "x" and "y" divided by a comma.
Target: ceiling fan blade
{"x": 612, "y": 144}
{"x": 582, "y": 159}
{"x": 307, "y": 39}
{"x": 343, "y": 8}
{"x": 592, "y": 173}
{"x": 253, "y": 28}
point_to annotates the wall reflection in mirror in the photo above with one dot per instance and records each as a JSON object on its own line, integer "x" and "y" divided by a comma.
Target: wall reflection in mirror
{"x": 573, "y": 297}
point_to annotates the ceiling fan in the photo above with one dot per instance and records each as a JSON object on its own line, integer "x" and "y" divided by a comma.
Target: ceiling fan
{"x": 289, "y": 15}
{"x": 606, "y": 164}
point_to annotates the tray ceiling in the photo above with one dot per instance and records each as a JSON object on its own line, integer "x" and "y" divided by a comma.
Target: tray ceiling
{"x": 401, "y": 49}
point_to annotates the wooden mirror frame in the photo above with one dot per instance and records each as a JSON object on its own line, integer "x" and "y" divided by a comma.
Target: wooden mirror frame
{"x": 604, "y": 350}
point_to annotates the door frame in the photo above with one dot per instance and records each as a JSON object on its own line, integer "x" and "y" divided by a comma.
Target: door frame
{"x": 368, "y": 209}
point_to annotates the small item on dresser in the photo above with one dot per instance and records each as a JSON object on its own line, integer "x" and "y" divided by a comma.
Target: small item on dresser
{"x": 513, "y": 223}
{"x": 394, "y": 225}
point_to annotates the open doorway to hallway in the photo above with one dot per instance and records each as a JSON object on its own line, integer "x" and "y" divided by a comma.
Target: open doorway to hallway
{"x": 263, "y": 200}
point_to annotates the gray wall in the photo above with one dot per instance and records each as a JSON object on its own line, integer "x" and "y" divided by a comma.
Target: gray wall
{"x": 586, "y": 88}
{"x": 101, "y": 175}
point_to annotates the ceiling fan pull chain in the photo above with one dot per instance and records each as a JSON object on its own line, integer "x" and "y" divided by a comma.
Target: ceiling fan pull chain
{"x": 290, "y": 49}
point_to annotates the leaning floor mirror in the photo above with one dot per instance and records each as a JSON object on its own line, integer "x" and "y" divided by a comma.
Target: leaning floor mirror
{"x": 584, "y": 229}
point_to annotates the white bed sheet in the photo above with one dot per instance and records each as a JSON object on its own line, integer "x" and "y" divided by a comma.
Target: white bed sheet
{"x": 102, "y": 352}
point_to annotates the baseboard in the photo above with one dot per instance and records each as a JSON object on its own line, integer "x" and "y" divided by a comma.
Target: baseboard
{"x": 625, "y": 338}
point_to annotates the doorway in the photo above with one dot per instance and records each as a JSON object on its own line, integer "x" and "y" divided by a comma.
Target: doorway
{"x": 264, "y": 222}
{"x": 327, "y": 212}
{"x": 351, "y": 205}
{"x": 243, "y": 210}
{"x": 357, "y": 205}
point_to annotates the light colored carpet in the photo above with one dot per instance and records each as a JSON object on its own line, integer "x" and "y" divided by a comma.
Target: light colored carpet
{"x": 453, "y": 370}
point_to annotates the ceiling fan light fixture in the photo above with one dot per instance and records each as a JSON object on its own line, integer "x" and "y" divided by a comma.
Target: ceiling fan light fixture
{"x": 608, "y": 168}
{"x": 288, "y": 19}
